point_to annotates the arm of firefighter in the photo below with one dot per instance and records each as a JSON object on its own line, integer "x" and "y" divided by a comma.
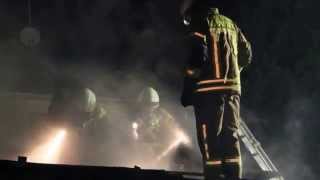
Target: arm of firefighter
{"x": 245, "y": 51}
{"x": 196, "y": 55}
{"x": 192, "y": 70}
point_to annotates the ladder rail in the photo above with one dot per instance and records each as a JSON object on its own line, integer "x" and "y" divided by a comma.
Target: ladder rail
{"x": 255, "y": 149}
{"x": 254, "y": 146}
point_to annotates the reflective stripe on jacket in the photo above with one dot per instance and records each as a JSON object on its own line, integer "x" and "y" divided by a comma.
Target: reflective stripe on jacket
{"x": 217, "y": 58}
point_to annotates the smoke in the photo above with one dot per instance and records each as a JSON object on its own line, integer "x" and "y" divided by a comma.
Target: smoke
{"x": 185, "y": 5}
{"x": 117, "y": 48}
{"x": 288, "y": 144}
{"x": 114, "y": 48}
{"x": 50, "y": 151}
{"x": 299, "y": 117}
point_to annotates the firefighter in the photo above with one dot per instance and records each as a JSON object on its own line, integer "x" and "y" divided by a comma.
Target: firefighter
{"x": 155, "y": 129}
{"x": 154, "y": 125}
{"x": 75, "y": 108}
{"x": 219, "y": 52}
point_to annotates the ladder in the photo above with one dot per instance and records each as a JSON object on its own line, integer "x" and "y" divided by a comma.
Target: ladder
{"x": 257, "y": 152}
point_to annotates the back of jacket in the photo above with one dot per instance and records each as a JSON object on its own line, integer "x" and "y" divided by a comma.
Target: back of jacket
{"x": 218, "y": 56}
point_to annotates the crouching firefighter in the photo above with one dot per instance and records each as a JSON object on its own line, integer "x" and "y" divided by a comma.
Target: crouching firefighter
{"x": 219, "y": 51}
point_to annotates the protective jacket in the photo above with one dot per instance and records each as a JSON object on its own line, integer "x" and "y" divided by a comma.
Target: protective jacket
{"x": 217, "y": 58}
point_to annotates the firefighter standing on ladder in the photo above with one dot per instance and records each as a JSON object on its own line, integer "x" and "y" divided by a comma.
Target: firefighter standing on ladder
{"x": 212, "y": 85}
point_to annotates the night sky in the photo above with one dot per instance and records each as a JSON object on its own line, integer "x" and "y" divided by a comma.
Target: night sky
{"x": 104, "y": 44}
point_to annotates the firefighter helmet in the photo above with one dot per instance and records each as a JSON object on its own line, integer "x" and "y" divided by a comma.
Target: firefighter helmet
{"x": 72, "y": 100}
{"x": 88, "y": 101}
{"x": 149, "y": 97}
{"x": 196, "y": 13}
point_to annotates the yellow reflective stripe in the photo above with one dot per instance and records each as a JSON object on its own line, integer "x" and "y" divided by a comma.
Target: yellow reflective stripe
{"x": 215, "y": 88}
{"x": 206, "y": 148}
{"x": 214, "y": 163}
{"x": 234, "y": 160}
{"x": 215, "y": 60}
{"x": 204, "y": 131}
{"x": 215, "y": 81}
{"x": 199, "y": 34}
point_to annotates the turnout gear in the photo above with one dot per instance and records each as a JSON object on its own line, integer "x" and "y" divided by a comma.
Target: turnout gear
{"x": 218, "y": 56}
{"x": 217, "y": 118}
{"x": 76, "y": 109}
{"x": 212, "y": 85}
{"x": 154, "y": 125}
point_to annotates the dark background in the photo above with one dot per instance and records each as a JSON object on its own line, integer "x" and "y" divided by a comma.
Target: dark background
{"x": 116, "y": 47}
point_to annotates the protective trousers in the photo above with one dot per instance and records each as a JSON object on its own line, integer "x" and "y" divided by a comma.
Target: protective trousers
{"x": 218, "y": 117}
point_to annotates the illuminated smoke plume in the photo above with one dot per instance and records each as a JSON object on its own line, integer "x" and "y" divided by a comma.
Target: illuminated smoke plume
{"x": 181, "y": 138}
{"x": 49, "y": 151}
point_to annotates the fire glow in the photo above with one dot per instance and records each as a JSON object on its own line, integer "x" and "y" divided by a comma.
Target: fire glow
{"x": 50, "y": 151}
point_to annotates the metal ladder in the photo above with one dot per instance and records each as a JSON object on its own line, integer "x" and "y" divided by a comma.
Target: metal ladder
{"x": 257, "y": 152}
